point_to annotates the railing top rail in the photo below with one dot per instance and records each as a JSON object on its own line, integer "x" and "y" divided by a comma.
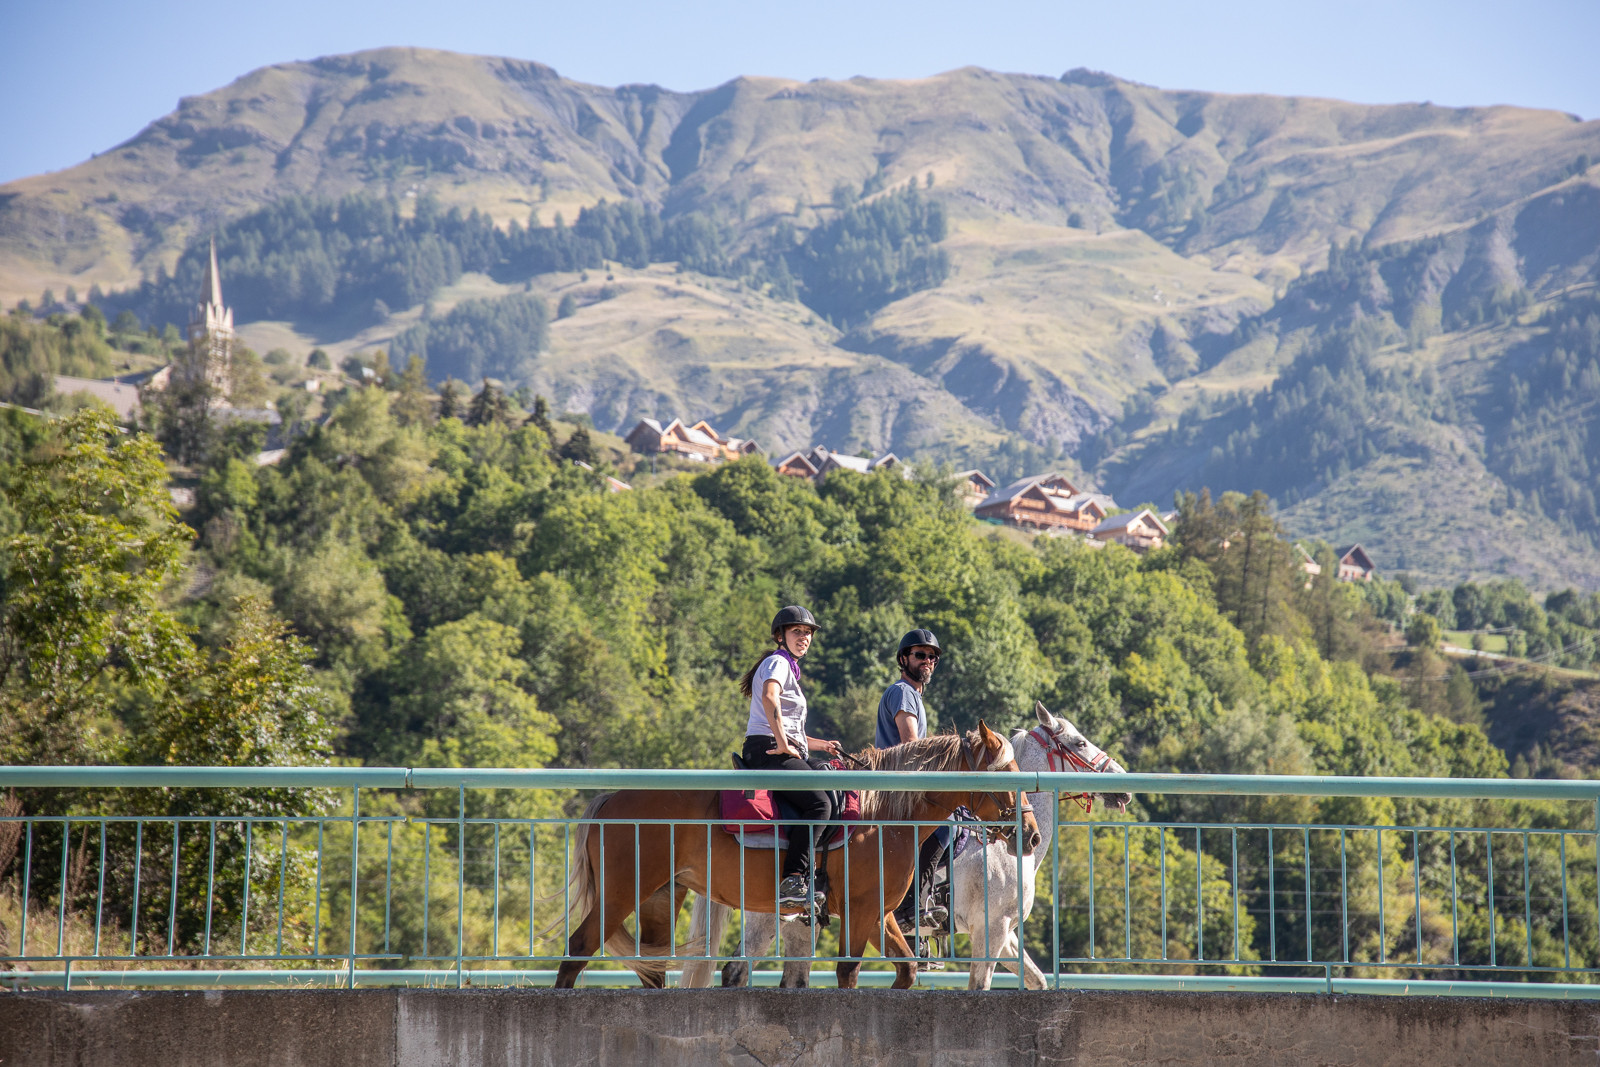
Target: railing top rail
{"x": 620, "y": 778}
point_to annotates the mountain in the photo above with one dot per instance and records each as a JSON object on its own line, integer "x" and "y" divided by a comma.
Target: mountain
{"x": 1114, "y": 272}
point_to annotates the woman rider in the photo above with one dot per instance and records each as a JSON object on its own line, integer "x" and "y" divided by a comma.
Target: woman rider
{"x": 776, "y": 738}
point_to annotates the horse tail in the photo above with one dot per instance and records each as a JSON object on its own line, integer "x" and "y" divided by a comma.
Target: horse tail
{"x": 583, "y": 893}
{"x": 707, "y": 921}
{"x": 655, "y": 956}
{"x": 580, "y": 889}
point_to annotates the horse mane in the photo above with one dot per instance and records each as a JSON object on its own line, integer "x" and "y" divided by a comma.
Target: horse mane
{"x": 937, "y": 752}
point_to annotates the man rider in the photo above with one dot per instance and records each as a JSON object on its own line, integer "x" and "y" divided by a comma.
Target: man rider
{"x": 902, "y": 717}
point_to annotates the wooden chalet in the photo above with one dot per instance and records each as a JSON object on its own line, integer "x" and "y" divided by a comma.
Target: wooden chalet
{"x": 1140, "y": 530}
{"x": 975, "y": 486}
{"x": 734, "y": 447}
{"x": 796, "y": 465}
{"x": 1045, "y": 502}
{"x": 826, "y": 461}
{"x": 1355, "y": 565}
{"x": 698, "y": 442}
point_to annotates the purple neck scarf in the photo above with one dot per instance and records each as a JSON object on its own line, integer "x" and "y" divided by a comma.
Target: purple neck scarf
{"x": 793, "y": 663}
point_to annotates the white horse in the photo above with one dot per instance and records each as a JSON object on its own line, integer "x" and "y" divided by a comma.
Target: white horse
{"x": 1055, "y": 745}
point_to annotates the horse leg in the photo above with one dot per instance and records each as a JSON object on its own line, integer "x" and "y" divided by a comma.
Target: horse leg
{"x": 853, "y": 943}
{"x": 602, "y": 926}
{"x": 760, "y": 933}
{"x": 657, "y": 926}
{"x": 905, "y": 973}
{"x": 583, "y": 944}
{"x": 796, "y": 940}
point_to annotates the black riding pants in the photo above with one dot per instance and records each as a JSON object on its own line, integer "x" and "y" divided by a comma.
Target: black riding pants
{"x": 807, "y": 803}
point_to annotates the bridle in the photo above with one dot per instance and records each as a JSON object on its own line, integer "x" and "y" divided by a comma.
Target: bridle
{"x": 1063, "y": 758}
{"x": 1000, "y": 797}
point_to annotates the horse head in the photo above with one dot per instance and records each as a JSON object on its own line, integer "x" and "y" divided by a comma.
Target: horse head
{"x": 1076, "y": 751}
{"x": 993, "y": 752}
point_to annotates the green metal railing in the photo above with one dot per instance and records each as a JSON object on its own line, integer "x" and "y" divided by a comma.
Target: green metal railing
{"x": 438, "y": 876}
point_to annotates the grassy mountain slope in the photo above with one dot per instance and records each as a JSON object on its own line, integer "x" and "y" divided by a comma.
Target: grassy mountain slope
{"x": 1124, "y": 263}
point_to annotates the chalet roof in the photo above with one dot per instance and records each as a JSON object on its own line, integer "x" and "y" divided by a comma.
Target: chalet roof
{"x": 1356, "y": 556}
{"x": 1127, "y": 519}
{"x": 1048, "y": 484}
{"x": 796, "y": 457}
{"x": 824, "y": 459}
{"x": 849, "y": 463}
{"x": 976, "y": 476}
{"x": 710, "y": 431}
{"x": 650, "y": 423}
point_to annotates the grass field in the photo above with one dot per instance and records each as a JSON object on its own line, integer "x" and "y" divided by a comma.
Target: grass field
{"x": 1489, "y": 642}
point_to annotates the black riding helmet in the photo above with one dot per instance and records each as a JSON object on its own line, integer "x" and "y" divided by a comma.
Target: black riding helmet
{"x": 917, "y": 637}
{"x": 793, "y": 615}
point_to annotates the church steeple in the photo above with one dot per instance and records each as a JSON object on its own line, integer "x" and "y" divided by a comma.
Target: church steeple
{"x": 210, "y": 355}
{"x": 211, "y": 292}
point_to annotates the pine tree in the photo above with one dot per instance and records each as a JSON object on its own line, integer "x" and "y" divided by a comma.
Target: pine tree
{"x": 449, "y": 400}
{"x": 579, "y": 448}
{"x": 412, "y": 405}
{"x": 489, "y": 405}
{"x": 541, "y": 418}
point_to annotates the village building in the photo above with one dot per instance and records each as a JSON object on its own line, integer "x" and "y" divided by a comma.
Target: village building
{"x": 1355, "y": 565}
{"x": 837, "y": 461}
{"x": 816, "y": 463}
{"x": 1140, "y": 530}
{"x": 975, "y": 486}
{"x": 1045, "y": 502}
{"x": 796, "y": 465}
{"x": 733, "y": 446}
{"x": 700, "y": 442}
{"x": 209, "y": 357}
{"x": 1307, "y": 563}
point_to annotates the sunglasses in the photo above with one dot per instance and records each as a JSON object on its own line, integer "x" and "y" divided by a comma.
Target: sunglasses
{"x": 931, "y": 657}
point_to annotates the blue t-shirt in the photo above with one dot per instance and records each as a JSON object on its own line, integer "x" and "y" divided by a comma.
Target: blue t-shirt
{"x": 899, "y": 697}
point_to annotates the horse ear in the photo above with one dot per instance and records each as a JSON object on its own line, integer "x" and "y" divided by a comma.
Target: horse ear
{"x": 1045, "y": 718}
{"x": 990, "y": 738}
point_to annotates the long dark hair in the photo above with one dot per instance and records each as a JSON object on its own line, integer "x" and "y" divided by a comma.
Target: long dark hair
{"x": 747, "y": 680}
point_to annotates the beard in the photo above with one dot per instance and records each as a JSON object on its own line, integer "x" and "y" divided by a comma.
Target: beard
{"x": 921, "y": 672}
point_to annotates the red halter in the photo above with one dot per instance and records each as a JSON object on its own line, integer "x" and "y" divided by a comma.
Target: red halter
{"x": 1063, "y": 758}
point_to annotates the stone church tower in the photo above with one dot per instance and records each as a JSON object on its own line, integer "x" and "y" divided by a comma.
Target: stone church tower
{"x": 210, "y": 355}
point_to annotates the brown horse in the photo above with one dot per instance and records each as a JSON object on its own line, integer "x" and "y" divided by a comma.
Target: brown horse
{"x": 708, "y": 860}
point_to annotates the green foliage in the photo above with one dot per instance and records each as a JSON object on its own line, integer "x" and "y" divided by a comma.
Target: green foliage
{"x": 300, "y": 257}
{"x": 1545, "y": 437}
{"x": 94, "y": 541}
{"x": 481, "y": 338}
{"x": 872, "y": 254}
{"x": 31, "y": 353}
{"x": 1422, "y": 631}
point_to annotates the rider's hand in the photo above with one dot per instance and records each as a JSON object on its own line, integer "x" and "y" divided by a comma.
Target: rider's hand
{"x": 833, "y": 748}
{"x": 781, "y": 748}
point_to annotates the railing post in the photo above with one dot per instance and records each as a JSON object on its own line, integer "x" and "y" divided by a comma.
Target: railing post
{"x": 355, "y": 868}
{"x": 461, "y": 879}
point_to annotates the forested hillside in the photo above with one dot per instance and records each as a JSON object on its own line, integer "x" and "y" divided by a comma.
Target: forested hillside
{"x": 1367, "y": 310}
{"x": 407, "y": 589}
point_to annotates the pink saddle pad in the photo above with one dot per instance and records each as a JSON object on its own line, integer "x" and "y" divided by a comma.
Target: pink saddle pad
{"x": 751, "y": 819}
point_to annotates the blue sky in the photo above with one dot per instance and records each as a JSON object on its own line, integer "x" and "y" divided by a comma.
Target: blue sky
{"x": 80, "y": 76}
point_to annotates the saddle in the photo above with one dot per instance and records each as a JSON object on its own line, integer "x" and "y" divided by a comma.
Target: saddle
{"x": 752, "y": 815}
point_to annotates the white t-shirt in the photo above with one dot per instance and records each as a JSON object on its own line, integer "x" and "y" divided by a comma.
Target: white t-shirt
{"x": 791, "y": 702}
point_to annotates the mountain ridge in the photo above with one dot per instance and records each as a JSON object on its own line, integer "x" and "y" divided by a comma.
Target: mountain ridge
{"x": 1110, "y": 244}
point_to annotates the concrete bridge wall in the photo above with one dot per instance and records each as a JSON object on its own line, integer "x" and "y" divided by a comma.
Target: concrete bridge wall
{"x": 402, "y": 1028}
